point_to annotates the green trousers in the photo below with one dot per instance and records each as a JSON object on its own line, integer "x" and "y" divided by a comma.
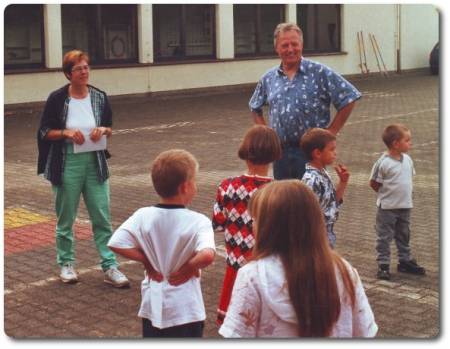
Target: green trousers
{"x": 80, "y": 177}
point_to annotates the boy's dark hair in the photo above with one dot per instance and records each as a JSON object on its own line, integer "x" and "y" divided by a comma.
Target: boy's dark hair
{"x": 170, "y": 169}
{"x": 315, "y": 138}
{"x": 260, "y": 145}
{"x": 393, "y": 133}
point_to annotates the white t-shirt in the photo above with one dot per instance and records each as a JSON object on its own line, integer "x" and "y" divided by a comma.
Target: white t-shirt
{"x": 80, "y": 114}
{"x": 260, "y": 305}
{"x": 169, "y": 236}
{"x": 396, "y": 177}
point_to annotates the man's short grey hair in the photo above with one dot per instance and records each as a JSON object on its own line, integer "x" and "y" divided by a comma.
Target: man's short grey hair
{"x": 285, "y": 27}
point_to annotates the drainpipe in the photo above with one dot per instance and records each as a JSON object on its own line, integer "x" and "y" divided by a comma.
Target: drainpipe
{"x": 399, "y": 36}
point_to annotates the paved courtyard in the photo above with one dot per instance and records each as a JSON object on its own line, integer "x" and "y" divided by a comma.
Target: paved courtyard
{"x": 38, "y": 305}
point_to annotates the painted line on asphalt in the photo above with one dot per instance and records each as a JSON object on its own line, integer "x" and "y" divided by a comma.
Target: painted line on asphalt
{"x": 220, "y": 251}
{"x": 45, "y": 282}
{"x": 420, "y": 295}
{"x": 152, "y": 128}
{"x": 377, "y": 118}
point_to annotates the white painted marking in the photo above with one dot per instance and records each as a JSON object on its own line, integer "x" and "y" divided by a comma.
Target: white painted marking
{"x": 152, "y": 128}
{"x": 394, "y": 116}
{"x": 220, "y": 251}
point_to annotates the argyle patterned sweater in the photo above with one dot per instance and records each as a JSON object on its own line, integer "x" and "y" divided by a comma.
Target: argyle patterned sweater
{"x": 231, "y": 216}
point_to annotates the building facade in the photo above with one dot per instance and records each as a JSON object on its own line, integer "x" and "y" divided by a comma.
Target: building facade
{"x": 146, "y": 48}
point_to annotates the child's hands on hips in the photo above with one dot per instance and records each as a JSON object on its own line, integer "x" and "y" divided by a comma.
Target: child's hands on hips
{"x": 183, "y": 274}
{"x": 154, "y": 275}
{"x": 342, "y": 172}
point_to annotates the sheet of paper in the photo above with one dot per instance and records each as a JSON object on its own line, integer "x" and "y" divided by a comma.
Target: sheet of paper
{"x": 88, "y": 144}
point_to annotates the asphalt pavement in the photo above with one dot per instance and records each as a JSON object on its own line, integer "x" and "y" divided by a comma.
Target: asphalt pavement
{"x": 211, "y": 125}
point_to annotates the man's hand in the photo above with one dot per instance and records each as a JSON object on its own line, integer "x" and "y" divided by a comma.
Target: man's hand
{"x": 342, "y": 172}
{"x": 258, "y": 119}
{"x": 340, "y": 118}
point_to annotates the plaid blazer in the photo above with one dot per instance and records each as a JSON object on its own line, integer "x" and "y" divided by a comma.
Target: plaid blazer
{"x": 52, "y": 153}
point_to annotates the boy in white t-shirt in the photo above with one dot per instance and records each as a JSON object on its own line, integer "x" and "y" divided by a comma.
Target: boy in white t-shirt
{"x": 173, "y": 243}
{"x": 392, "y": 179}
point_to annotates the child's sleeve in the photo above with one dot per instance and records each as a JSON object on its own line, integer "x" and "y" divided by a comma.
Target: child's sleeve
{"x": 377, "y": 172}
{"x": 219, "y": 211}
{"x": 363, "y": 319}
{"x": 243, "y": 314}
{"x": 412, "y": 166}
{"x": 205, "y": 235}
{"x": 124, "y": 236}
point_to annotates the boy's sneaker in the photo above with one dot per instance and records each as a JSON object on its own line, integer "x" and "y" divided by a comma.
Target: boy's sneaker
{"x": 68, "y": 274}
{"x": 383, "y": 272}
{"x": 410, "y": 267}
{"x": 116, "y": 278}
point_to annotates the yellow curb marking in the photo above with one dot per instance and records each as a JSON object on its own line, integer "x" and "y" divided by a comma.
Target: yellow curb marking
{"x": 19, "y": 217}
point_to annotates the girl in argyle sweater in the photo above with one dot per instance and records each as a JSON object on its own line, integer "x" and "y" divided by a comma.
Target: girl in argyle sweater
{"x": 259, "y": 148}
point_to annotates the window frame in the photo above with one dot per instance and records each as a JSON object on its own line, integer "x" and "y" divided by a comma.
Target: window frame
{"x": 182, "y": 22}
{"x": 257, "y": 16}
{"x": 30, "y": 66}
{"x": 97, "y": 56}
{"x": 315, "y": 50}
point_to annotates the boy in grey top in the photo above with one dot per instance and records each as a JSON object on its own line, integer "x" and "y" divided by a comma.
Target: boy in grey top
{"x": 391, "y": 178}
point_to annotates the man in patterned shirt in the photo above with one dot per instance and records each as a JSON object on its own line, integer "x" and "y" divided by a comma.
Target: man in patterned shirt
{"x": 299, "y": 93}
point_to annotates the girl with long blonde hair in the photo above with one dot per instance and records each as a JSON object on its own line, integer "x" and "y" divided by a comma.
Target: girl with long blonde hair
{"x": 296, "y": 285}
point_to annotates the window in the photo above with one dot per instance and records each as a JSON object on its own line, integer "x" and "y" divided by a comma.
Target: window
{"x": 106, "y": 32}
{"x": 253, "y": 28}
{"x": 24, "y": 44}
{"x": 321, "y": 25}
{"x": 183, "y": 32}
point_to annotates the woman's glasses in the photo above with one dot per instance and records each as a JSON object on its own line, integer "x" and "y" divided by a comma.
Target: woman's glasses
{"x": 80, "y": 68}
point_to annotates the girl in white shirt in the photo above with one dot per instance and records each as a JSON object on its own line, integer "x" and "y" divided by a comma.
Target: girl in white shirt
{"x": 296, "y": 284}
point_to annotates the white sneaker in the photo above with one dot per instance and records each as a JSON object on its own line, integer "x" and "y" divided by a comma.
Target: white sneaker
{"x": 68, "y": 274}
{"x": 116, "y": 278}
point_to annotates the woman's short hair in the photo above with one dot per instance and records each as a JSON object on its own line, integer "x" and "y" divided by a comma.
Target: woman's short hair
{"x": 260, "y": 145}
{"x": 285, "y": 27}
{"x": 172, "y": 168}
{"x": 71, "y": 58}
{"x": 315, "y": 138}
{"x": 393, "y": 133}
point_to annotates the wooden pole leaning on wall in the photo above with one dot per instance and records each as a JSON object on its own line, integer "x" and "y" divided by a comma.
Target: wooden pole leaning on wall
{"x": 364, "y": 52}
{"x": 361, "y": 64}
{"x": 375, "y": 53}
{"x": 381, "y": 57}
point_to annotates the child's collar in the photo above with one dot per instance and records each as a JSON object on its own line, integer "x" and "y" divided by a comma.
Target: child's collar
{"x": 169, "y": 206}
{"x": 314, "y": 166}
{"x": 393, "y": 156}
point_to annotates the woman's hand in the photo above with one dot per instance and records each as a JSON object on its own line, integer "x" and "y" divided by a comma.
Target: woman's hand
{"x": 98, "y": 132}
{"x": 75, "y": 136}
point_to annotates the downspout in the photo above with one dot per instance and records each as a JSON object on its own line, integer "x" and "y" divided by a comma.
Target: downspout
{"x": 399, "y": 36}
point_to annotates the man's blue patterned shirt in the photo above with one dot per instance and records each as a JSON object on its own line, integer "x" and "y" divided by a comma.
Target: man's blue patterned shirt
{"x": 303, "y": 102}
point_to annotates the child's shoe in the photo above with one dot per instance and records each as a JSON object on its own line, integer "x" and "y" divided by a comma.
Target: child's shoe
{"x": 116, "y": 278}
{"x": 383, "y": 272}
{"x": 410, "y": 267}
